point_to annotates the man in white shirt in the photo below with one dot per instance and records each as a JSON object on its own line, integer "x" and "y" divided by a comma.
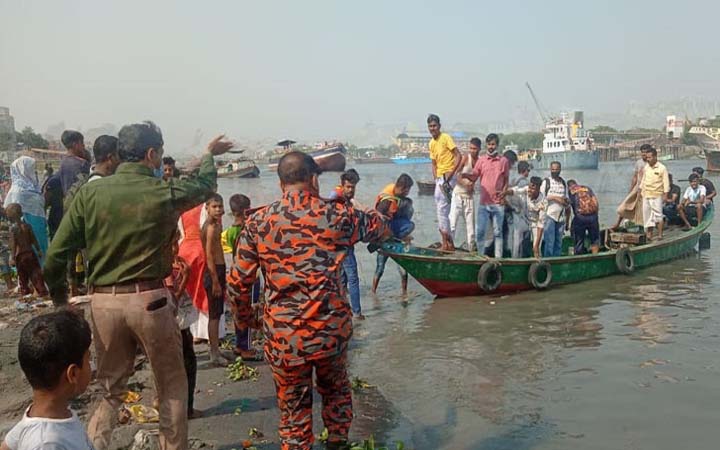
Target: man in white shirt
{"x": 462, "y": 204}
{"x": 532, "y": 212}
{"x": 693, "y": 201}
{"x": 557, "y": 215}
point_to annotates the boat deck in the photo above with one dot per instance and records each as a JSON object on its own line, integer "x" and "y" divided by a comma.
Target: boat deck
{"x": 451, "y": 274}
{"x": 670, "y": 234}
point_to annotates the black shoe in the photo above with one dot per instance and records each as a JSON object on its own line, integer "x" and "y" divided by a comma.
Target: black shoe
{"x": 337, "y": 445}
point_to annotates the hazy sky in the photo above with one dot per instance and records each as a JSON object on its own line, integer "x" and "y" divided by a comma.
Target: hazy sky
{"x": 308, "y": 69}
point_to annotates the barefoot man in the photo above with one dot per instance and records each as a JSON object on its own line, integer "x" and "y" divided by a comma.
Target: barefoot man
{"x": 446, "y": 160}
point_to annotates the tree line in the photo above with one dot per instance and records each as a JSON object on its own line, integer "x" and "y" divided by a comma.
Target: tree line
{"x": 27, "y": 138}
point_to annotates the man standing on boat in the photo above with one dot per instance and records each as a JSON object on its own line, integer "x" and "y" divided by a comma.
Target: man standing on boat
{"x": 446, "y": 160}
{"x": 585, "y": 223}
{"x": 557, "y": 217}
{"x": 631, "y": 206}
{"x": 462, "y": 203}
{"x": 493, "y": 171}
{"x": 299, "y": 242}
{"x": 655, "y": 186}
{"x": 517, "y": 232}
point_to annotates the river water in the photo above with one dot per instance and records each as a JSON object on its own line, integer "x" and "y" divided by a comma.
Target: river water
{"x": 625, "y": 362}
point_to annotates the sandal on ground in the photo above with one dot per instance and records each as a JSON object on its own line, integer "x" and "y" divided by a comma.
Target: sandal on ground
{"x": 247, "y": 355}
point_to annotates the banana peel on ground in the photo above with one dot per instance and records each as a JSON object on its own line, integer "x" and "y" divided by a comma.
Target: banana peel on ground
{"x": 358, "y": 383}
{"x": 144, "y": 414}
{"x": 131, "y": 397}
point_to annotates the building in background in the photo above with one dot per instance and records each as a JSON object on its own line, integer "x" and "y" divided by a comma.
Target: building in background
{"x": 7, "y": 135}
{"x": 674, "y": 127}
{"x": 419, "y": 141}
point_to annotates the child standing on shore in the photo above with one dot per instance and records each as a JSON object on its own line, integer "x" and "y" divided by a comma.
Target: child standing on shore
{"x": 24, "y": 252}
{"x": 186, "y": 314}
{"x": 239, "y": 204}
{"x": 214, "y": 278}
{"x": 54, "y": 354}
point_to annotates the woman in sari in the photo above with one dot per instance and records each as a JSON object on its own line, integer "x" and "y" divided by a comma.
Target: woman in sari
{"x": 25, "y": 190}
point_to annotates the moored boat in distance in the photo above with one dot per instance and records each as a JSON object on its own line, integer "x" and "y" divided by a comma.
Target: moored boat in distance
{"x": 712, "y": 159}
{"x": 426, "y": 187}
{"x": 457, "y": 274}
{"x": 709, "y": 137}
{"x": 237, "y": 168}
{"x": 411, "y": 158}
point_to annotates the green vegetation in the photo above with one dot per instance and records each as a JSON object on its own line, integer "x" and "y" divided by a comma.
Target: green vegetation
{"x": 603, "y": 129}
{"x": 238, "y": 371}
{"x": 366, "y": 444}
{"x": 30, "y": 138}
{"x": 524, "y": 141}
{"x": 6, "y": 142}
{"x": 358, "y": 384}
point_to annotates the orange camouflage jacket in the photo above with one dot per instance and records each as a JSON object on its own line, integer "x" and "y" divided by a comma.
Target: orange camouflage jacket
{"x": 299, "y": 243}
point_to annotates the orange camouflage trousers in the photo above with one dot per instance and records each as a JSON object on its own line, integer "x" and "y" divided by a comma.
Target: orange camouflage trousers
{"x": 294, "y": 387}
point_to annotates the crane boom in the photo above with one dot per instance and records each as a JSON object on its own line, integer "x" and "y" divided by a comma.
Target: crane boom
{"x": 543, "y": 117}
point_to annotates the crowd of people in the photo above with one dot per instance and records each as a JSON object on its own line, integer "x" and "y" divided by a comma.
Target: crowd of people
{"x": 148, "y": 247}
{"x": 518, "y": 215}
{"x": 655, "y": 201}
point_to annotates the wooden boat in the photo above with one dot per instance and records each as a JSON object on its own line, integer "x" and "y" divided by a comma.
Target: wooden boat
{"x": 712, "y": 157}
{"x": 426, "y": 187}
{"x": 237, "y": 168}
{"x": 457, "y": 274}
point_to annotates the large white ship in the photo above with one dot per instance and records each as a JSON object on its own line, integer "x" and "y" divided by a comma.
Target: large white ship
{"x": 568, "y": 142}
{"x": 708, "y": 133}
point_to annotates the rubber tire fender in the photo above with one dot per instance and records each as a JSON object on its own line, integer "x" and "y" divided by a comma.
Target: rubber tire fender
{"x": 625, "y": 261}
{"x": 704, "y": 241}
{"x": 535, "y": 269}
{"x": 489, "y": 271}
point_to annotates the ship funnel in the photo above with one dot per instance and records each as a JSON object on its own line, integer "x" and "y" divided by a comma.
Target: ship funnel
{"x": 578, "y": 117}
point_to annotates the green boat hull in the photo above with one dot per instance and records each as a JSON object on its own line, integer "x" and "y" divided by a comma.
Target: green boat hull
{"x": 456, "y": 275}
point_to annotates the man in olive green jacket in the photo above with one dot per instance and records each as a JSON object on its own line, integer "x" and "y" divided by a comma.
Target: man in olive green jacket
{"x": 127, "y": 223}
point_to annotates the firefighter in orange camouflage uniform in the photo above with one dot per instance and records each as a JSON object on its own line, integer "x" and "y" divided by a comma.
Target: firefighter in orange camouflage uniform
{"x": 299, "y": 243}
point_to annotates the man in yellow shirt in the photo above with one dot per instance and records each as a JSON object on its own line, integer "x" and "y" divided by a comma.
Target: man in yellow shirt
{"x": 655, "y": 185}
{"x": 446, "y": 160}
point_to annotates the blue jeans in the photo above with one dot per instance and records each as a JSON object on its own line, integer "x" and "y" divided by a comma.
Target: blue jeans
{"x": 352, "y": 280}
{"x": 485, "y": 214}
{"x": 552, "y": 237}
{"x": 380, "y": 267}
{"x": 401, "y": 227}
